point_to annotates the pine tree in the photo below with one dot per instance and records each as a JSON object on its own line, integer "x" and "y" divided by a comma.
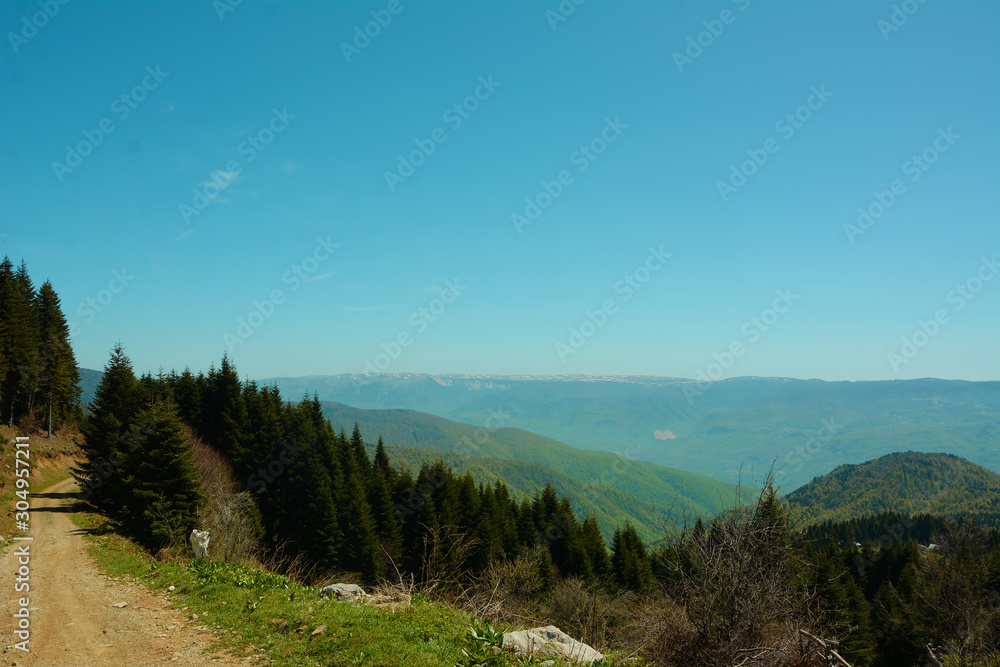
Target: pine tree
{"x": 360, "y": 454}
{"x": 629, "y": 560}
{"x": 60, "y": 377}
{"x": 160, "y": 479}
{"x": 223, "y": 416}
{"x": 597, "y": 553}
{"x": 19, "y": 341}
{"x": 115, "y": 405}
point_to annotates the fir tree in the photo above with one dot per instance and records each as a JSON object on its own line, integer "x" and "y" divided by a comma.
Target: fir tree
{"x": 60, "y": 377}
{"x": 160, "y": 479}
{"x": 629, "y": 560}
{"x": 115, "y": 405}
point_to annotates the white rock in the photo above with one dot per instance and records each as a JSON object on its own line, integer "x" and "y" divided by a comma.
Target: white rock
{"x": 343, "y": 591}
{"x": 550, "y": 641}
{"x": 199, "y": 542}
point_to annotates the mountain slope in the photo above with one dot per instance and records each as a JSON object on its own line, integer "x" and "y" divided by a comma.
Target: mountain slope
{"x": 804, "y": 427}
{"x": 908, "y": 482}
{"x": 602, "y": 476}
{"x": 610, "y": 506}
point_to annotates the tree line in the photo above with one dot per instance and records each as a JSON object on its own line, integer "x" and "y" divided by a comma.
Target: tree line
{"x": 39, "y": 378}
{"x": 320, "y": 493}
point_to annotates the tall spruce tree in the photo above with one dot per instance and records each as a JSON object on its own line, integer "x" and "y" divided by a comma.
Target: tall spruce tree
{"x": 629, "y": 559}
{"x": 116, "y": 402}
{"x": 19, "y": 343}
{"x": 60, "y": 377}
{"x": 160, "y": 479}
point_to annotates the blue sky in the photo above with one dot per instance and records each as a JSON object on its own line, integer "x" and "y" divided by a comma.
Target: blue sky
{"x": 614, "y": 122}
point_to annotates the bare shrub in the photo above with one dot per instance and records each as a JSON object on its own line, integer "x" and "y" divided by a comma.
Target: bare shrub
{"x": 506, "y": 592}
{"x": 229, "y": 514}
{"x": 738, "y": 590}
{"x": 591, "y": 615}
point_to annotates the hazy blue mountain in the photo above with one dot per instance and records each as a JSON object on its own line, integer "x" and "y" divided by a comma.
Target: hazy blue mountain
{"x": 808, "y": 427}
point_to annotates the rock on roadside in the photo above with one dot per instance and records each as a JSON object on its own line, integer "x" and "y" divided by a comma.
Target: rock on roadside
{"x": 550, "y": 641}
{"x": 343, "y": 592}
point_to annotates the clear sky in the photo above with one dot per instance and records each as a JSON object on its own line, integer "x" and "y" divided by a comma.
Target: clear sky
{"x": 462, "y": 185}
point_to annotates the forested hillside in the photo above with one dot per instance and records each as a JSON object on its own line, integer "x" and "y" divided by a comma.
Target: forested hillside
{"x": 907, "y": 483}
{"x": 627, "y": 489}
{"x": 39, "y": 380}
{"x": 719, "y": 429}
{"x": 314, "y": 492}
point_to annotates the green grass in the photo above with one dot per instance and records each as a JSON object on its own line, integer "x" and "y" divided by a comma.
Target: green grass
{"x": 263, "y": 614}
{"x": 271, "y": 618}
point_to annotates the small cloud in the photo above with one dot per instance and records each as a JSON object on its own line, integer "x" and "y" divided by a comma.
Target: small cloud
{"x": 222, "y": 178}
{"x": 290, "y": 167}
{"x": 186, "y": 234}
{"x": 315, "y": 278}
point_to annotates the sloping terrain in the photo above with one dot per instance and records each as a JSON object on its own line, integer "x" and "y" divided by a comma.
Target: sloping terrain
{"x": 804, "y": 427}
{"x": 907, "y": 483}
{"x": 619, "y": 486}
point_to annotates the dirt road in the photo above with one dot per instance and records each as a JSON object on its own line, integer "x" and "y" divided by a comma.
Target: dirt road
{"x": 74, "y": 620}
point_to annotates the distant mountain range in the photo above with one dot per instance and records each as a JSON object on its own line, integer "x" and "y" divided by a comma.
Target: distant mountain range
{"x": 731, "y": 430}
{"x": 724, "y": 430}
{"x": 907, "y": 483}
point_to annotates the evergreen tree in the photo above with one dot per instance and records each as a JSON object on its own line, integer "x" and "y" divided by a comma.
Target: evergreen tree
{"x": 223, "y": 417}
{"x": 160, "y": 479}
{"x": 597, "y": 553}
{"x": 60, "y": 377}
{"x": 115, "y": 405}
{"x": 19, "y": 339}
{"x": 629, "y": 560}
{"x": 364, "y": 466}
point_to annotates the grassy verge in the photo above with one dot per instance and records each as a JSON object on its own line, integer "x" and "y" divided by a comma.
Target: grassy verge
{"x": 260, "y": 614}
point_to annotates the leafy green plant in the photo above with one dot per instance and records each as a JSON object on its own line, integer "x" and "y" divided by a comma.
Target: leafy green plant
{"x": 482, "y": 642}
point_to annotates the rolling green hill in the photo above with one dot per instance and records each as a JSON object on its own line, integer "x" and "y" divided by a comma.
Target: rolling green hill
{"x": 614, "y": 487}
{"x": 804, "y": 427}
{"x": 611, "y": 507}
{"x": 907, "y": 483}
